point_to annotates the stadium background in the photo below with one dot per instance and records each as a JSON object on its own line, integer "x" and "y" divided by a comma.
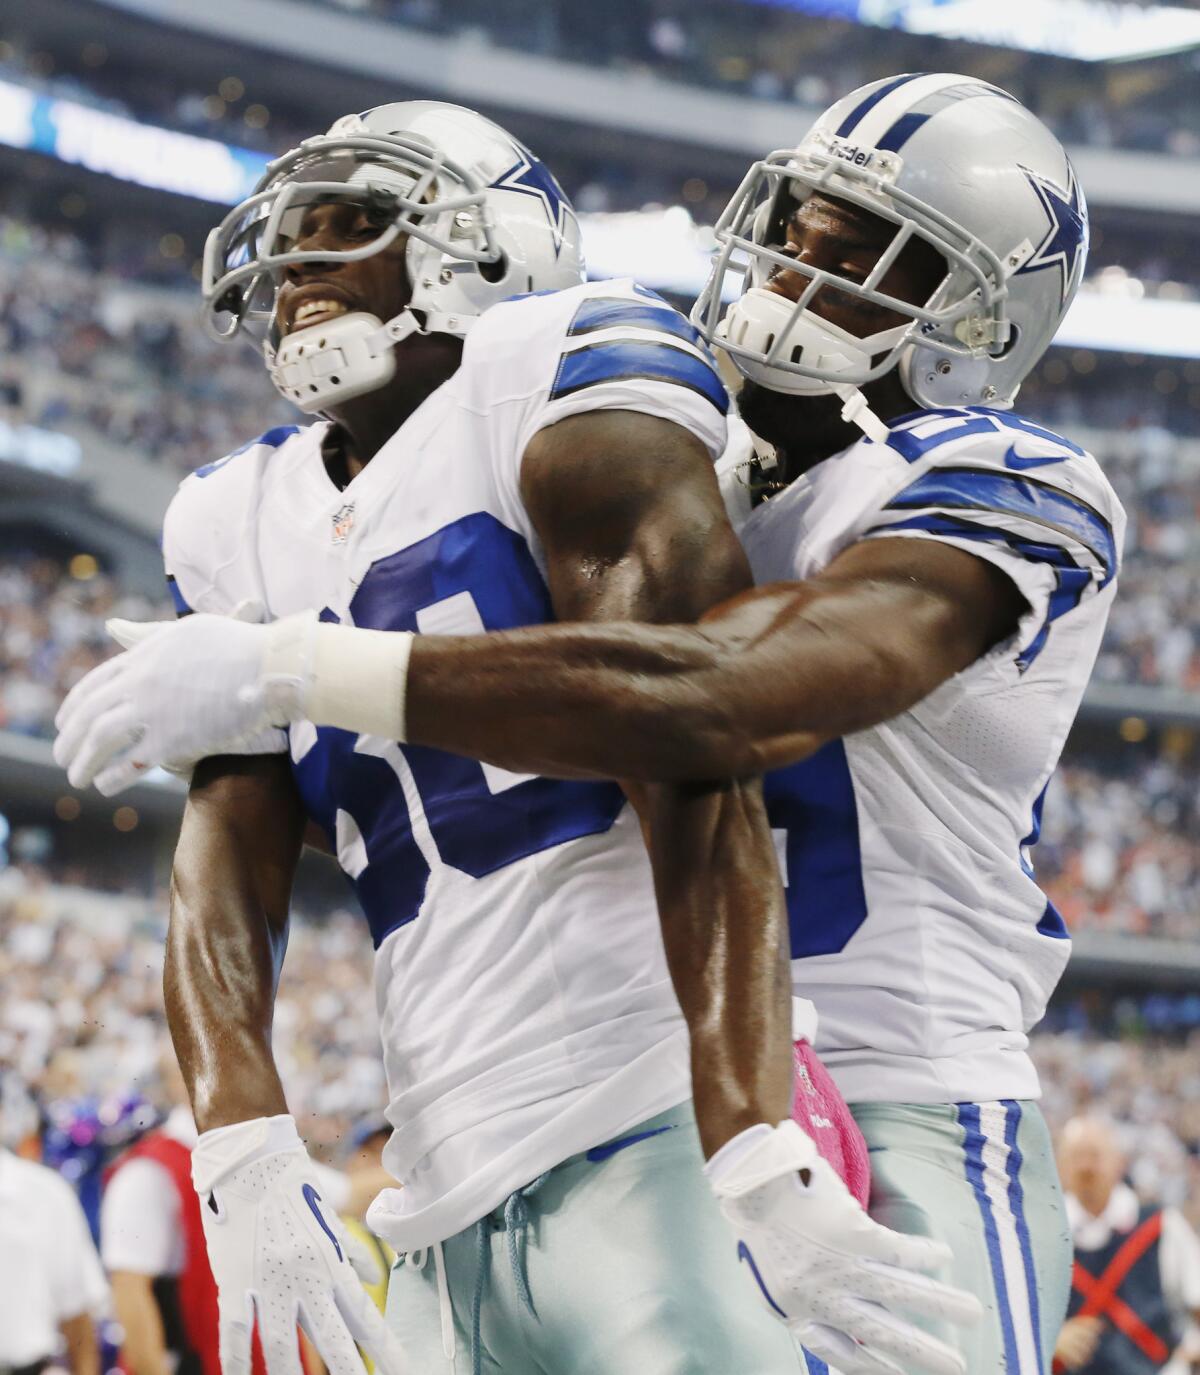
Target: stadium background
{"x": 127, "y": 127}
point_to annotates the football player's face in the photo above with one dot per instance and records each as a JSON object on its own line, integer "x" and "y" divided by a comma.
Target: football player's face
{"x": 316, "y": 292}
{"x": 845, "y": 240}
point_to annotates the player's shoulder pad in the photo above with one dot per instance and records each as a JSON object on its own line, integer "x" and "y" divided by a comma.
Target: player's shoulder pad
{"x": 558, "y": 343}
{"x": 234, "y": 468}
{"x": 973, "y": 461}
{"x": 209, "y": 505}
{"x": 997, "y": 441}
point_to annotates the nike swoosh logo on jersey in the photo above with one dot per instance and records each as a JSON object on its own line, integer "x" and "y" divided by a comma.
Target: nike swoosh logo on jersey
{"x": 610, "y": 1148}
{"x": 1020, "y": 462}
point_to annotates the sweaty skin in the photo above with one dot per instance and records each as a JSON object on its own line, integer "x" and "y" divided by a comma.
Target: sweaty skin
{"x": 769, "y": 676}
{"x": 633, "y": 527}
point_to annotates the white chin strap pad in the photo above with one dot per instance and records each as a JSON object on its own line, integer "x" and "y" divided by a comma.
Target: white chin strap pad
{"x": 761, "y": 322}
{"x": 757, "y": 320}
{"x": 320, "y": 366}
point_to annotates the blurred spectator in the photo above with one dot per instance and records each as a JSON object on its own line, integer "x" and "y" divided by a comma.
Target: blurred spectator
{"x": 1149, "y": 1087}
{"x": 152, "y": 1245}
{"x": 51, "y": 1285}
{"x": 1136, "y": 1280}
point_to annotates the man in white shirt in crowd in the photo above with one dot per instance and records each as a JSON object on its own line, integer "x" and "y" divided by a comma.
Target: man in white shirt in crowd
{"x": 1136, "y": 1282}
{"x": 51, "y": 1285}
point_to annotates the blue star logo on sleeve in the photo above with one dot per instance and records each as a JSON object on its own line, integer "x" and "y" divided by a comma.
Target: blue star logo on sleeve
{"x": 529, "y": 177}
{"x": 1065, "y": 243}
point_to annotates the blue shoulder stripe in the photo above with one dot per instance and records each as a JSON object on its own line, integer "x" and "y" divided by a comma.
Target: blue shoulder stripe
{"x": 605, "y": 312}
{"x": 1071, "y": 581}
{"x": 630, "y": 360}
{"x": 271, "y": 440}
{"x": 1015, "y": 494}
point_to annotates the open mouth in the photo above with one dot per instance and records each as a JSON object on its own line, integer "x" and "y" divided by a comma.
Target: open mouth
{"x": 316, "y": 312}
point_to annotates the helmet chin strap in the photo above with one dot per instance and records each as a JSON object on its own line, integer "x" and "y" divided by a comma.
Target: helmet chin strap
{"x": 857, "y": 411}
{"x": 323, "y": 365}
{"x": 761, "y": 317}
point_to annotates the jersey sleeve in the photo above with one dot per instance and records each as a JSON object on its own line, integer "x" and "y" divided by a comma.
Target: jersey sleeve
{"x": 139, "y": 1220}
{"x": 1040, "y": 510}
{"x": 203, "y": 544}
{"x": 632, "y": 351}
{"x": 603, "y": 346}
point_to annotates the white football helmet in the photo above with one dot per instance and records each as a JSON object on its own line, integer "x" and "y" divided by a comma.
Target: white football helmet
{"x": 485, "y": 221}
{"x": 947, "y": 159}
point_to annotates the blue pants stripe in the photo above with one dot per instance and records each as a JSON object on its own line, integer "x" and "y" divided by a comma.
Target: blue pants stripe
{"x": 1016, "y": 1201}
{"x": 973, "y": 1141}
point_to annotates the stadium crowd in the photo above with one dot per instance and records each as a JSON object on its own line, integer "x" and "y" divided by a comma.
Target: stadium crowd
{"x": 760, "y": 51}
{"x": 82, "y": 1015}
{"x": 82, "y": 1023}
{"x": 733, "y": 46}
{"x": 103, "y": 339}
{"x": 51, "y": 634}
{"x": 1120, "y": 850}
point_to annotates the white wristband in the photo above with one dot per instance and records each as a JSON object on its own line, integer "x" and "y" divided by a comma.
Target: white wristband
{"x": 224, "y": 1149}
{"x": 358, "y": 679}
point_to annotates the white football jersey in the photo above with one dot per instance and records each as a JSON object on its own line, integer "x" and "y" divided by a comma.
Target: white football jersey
{"x": 525, "y": 1004}
{"x": 917, "y": 926}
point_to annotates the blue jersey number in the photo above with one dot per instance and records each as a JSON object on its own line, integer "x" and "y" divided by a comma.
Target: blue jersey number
{"x": 404, "y": 807}
{"x": 813, "y": 801}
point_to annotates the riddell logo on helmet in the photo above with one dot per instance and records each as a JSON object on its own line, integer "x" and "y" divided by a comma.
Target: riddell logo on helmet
{"x": 852, "y": 152}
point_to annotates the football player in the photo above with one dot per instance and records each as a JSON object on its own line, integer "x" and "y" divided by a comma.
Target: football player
{"x": 485, "y": 463}
{"x": 936, "y": 572}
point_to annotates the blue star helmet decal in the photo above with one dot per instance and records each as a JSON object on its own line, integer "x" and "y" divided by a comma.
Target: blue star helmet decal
{"x": 529, "y": 177}
{"x": 1066, "y": 237}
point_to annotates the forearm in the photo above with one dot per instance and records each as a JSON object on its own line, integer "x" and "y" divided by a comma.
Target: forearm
{"x": 764, "y": 680}
{"x": 83, "y": 1350}
{"x": 639, "y": 551}
{"x": 724, "y": 926}
{"x": 144, "y": 1349}
{"x": 225, "y": 946}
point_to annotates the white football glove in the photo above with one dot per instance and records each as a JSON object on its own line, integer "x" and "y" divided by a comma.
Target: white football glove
{"x": 833, "y": 1275}
{"x": 185, "y": 690}
{"x": 281, "y": 1257}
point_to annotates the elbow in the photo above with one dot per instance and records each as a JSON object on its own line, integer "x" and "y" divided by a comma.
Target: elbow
{"x": 708, "y": 737}
{"x": 720, "y": 718}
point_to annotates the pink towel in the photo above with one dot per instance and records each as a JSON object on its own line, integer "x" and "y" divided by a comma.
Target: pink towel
{"x": 821, "y": 1110}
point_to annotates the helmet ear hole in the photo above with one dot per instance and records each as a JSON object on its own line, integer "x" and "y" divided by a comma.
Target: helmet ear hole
{"x": 1014, "y": 337}
{"x": 494, "y": 273}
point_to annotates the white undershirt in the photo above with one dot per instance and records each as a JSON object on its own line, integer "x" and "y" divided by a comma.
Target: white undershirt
{"x": 140, "y": 1226}
{"x": 1178, "y": 1247}
{"x": 49, "y": 1269}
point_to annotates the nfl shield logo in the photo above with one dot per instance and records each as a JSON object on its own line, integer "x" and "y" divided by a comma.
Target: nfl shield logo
{"x": 343, "y": 523}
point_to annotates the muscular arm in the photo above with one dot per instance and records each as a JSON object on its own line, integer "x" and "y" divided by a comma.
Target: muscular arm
{"x": 764, "y": 680}
{"x": 230, "y": 889}
{"x": 633, "y": 529}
